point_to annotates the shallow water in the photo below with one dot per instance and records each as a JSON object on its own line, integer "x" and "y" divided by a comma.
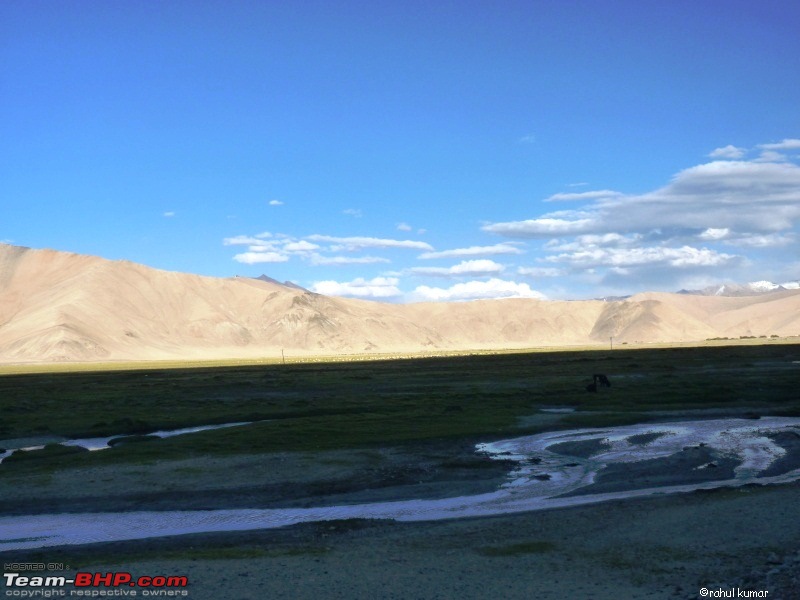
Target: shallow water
{"x": 104, "y": 443}
{"x": 541, "y": 479}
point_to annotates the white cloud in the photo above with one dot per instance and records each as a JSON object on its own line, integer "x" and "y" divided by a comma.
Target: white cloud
{"x": 301, "y": 246}
{"x": 169, "y": 213}
{"x": 475, "y": 290}
{"x": 476, "y": 266}
{"x": 540, "y": 271}
{"x": 359, "y": 243}
{"x": 583, "y": 195}
{"x": 469, "y": 268}
{"x": 528, "y": 139}
{"x": 502, "y": 248}
{"x": 319, "y": 260}
{"x": 711, "y": 219}
{"x": 251, "y": 258}
{"x": 771, "y": 240}
{"x": 353, "y": 212}
{"x": 582, "y": 242}
{"x": 275, "y": 203}
{"x": 729, "y": 151}
{"x": 688, "y": 256}
{"x": 284, "y": 245}
{"x": 745, "y": 196}
{"x": 685, "y": 256}
{"x": 543, "y": 227}
{"x": 379, "y": 287}
{"x": 713, "y": 234}
{"x": 787, "y": 144}
{"x": 770, "y": 156}
{"x": 269, "y": 247}
{"x": 242, "y": 240}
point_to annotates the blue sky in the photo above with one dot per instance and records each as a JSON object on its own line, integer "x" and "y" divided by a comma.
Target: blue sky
{"x": 409, "y": 151}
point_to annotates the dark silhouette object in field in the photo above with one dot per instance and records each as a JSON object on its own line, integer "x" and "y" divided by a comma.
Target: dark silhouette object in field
{"x": 602, "y": 380}
{"x": 598, "y": 379}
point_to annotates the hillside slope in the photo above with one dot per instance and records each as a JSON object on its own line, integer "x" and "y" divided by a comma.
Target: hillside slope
{"x": 58, "y": 306}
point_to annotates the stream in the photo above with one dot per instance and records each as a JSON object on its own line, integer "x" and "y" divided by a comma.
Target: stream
{"x": 104, "y": 443}
{"x": 553, "y": 470}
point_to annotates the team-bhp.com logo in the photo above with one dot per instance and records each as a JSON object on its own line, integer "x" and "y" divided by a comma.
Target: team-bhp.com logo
{"x": 124, "y": 584}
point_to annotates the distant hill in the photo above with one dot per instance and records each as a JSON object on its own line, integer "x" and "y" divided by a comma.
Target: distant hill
{"x": 289, "y": 284}
{"x": 746, "y": 289}
{"x": 58, "y": 306}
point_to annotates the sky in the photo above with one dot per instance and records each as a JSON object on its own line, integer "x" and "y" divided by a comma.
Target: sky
{"x": 408, "y": 151}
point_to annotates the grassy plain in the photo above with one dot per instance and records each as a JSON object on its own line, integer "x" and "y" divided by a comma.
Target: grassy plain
{"x": 367, "y": 430}
{"x": 324, "y": 406}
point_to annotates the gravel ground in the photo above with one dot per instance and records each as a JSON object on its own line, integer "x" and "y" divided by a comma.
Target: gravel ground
{"x": 736, "y": 540}
{"x": 661, "y": 547}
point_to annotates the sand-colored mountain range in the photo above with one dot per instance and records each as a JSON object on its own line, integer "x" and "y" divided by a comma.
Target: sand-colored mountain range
{"x": 58, "y": 306}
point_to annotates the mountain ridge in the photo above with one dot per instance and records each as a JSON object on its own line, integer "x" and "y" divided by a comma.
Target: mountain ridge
{"x": 752, "y": 288}
{"x": 60, "y": 306}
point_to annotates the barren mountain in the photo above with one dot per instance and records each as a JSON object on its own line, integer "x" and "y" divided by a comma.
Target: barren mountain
{"x": 57, "y": 306}
{"x": 748, "y": 289}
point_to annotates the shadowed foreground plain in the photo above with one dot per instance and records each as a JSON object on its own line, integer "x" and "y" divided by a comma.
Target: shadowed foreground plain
{"x": 365, "y": 432}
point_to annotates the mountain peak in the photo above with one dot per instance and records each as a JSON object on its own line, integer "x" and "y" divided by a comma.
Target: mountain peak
{"x": 289, "y": 284}
{"x": 754, "y": 288}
